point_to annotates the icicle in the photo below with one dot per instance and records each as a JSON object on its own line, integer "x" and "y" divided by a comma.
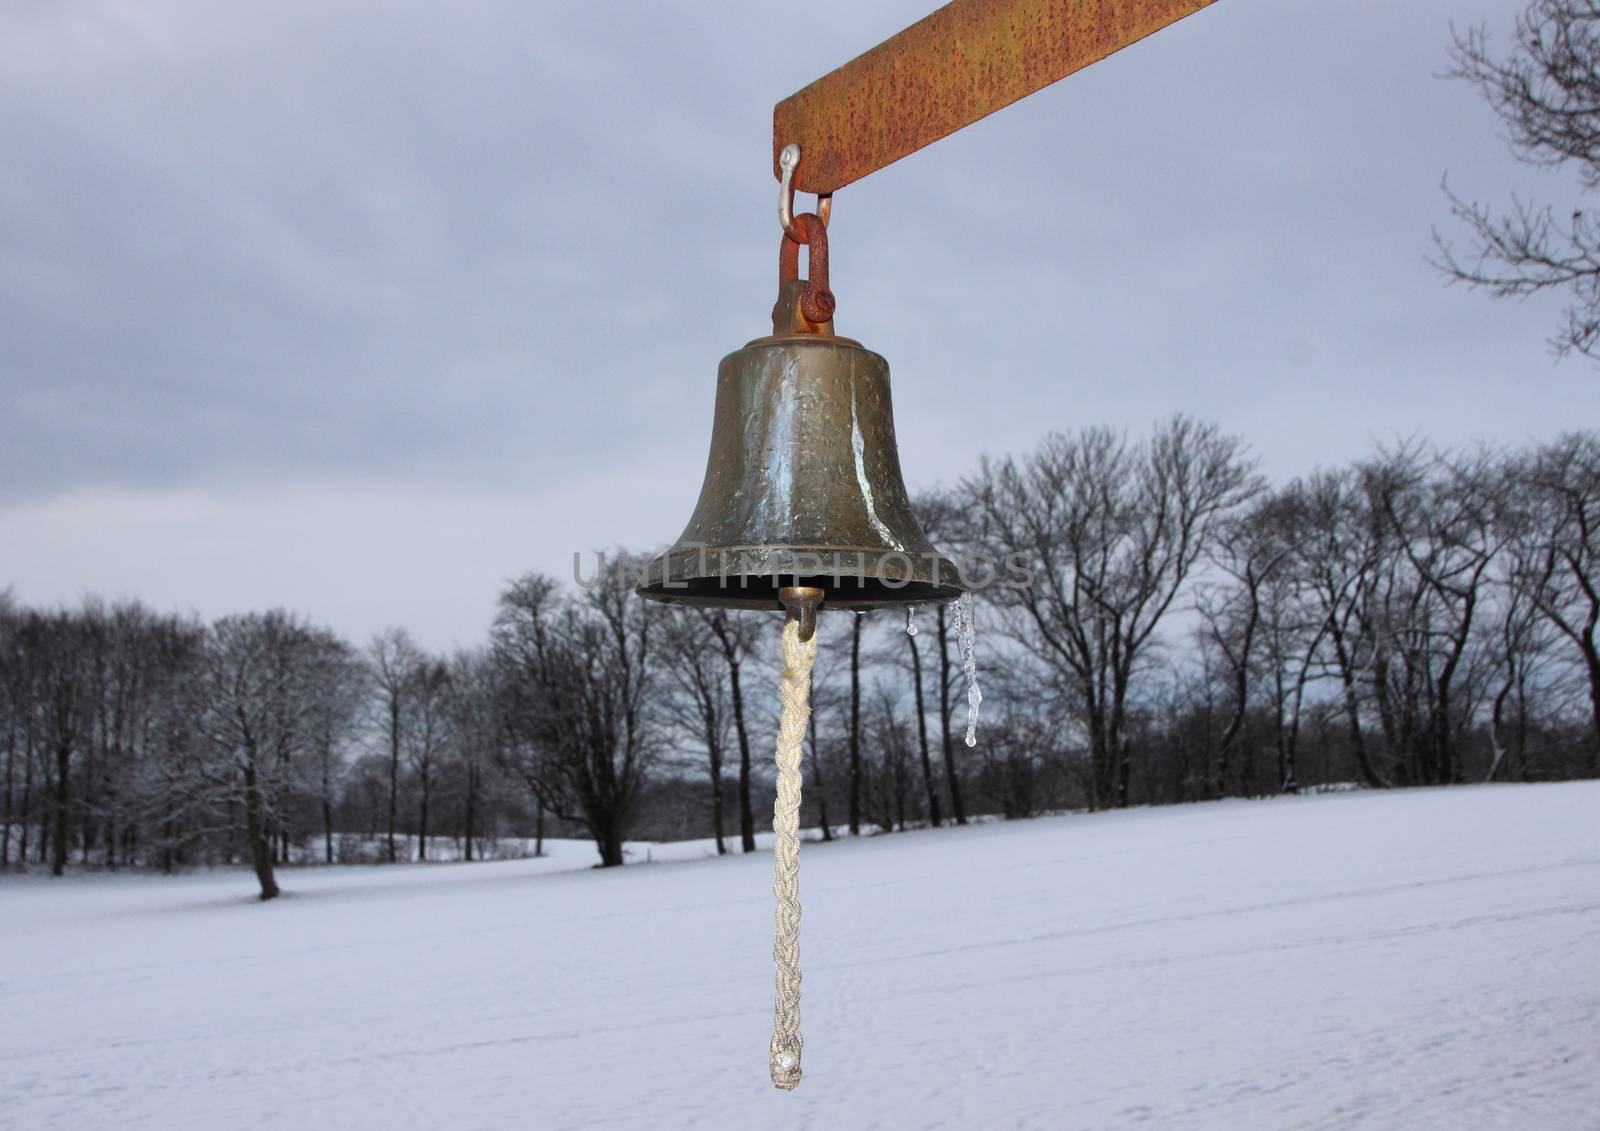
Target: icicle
{"x": 967, "y": 638}
{"x": 911, "y": 620}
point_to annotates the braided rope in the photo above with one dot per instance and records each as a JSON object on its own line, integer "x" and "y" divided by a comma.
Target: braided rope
{"x": 794, "y": 691}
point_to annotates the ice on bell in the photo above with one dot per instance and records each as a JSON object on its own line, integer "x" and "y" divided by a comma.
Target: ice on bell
{"x": 967, "y": 639}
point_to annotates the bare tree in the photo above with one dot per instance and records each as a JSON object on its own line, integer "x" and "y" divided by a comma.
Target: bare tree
{"x": 856, "y": 781}
{"x": 1522, "y": 643}
{"x": 477, "y": 733}
{"x": 13, "y": 701}
{"x": 1251, "y": 548}
{"x": 392, "y": 661}
{"x": 1111, "y": 530}
{"x": 337, "y": 688}
{"x": 819, "y": 784}
{"x": 577, "y": 671}
{"x": 56, "y": 643}
{"x": 1022, "y": 764}
{"x": 885, "y": 781}
{"x": 1293, "y": 634}
{"x": 930, "y": 785}
{"x": 1339, "y": 554}
{"x": 700, "y": 705}
{"x": 734, "y": 636}
{"x": 1445, "y": 513}
{"x": 253, "y": 686}
{"x": 930, "y": 804}
{"x": 1558, "y": 553}
{"x": 431, "y": 692}
{"x": 947, "y": 746}
{"x": 829, "y": 727}
{"x": 1546, "y": 92}
{"x": 171, "y": 651}
{"x": 940, "y": 519}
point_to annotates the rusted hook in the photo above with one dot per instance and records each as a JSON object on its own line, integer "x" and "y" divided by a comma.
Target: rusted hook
{"x": 818, "y": 302}
{"x": 789, "y": 161}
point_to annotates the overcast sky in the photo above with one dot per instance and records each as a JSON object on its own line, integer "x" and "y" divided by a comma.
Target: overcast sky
{"x": 362, "y": 309}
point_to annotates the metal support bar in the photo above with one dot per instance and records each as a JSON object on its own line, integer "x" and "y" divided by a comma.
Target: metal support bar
{"x": 963, "y": 62}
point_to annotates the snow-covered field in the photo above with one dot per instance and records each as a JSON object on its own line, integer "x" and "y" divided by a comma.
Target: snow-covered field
{"x": 1425, "y": 959}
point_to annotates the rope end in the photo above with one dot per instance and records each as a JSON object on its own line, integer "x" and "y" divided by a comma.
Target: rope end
{"x": 785, "y": 1067}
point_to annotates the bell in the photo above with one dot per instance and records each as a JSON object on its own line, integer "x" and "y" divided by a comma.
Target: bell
{"x": 803, "y": 484}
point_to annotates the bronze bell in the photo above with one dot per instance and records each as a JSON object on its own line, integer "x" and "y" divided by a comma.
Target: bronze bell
{"x": 803, "y": 484}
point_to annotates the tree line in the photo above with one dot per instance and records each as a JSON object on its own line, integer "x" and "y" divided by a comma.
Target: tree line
{"x": 1189, "y": 631}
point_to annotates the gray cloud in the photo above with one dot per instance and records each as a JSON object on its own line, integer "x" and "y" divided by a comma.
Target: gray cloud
{"x": 365, "y": 250}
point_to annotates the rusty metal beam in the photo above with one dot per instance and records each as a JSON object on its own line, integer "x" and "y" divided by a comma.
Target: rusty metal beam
{"x": 963, "y": 62}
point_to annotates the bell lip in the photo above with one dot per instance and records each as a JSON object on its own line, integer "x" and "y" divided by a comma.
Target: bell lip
{"x": 763, "y": 595}
{"x": 853, "y": 577}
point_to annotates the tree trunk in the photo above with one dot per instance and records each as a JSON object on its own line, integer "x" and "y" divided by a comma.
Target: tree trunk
{"x": 256, "y": 833}
{"x": 855, "y": 725}
{"x": 1392, "y": 742}
{"x": 818, "y": 787}
{"x": 714, "y": 752}
{"x": 899, "y": 781}
{"x": 1496, "y": 717}
{"x": 327, "y": 806}
{"x": 1591, "y": 662}
{"x": 27, "y": 796}
{"x": 1522, "y": 724}
{"x": 922, "y": 733}
{"x": 327, "y": 829}
{"x": 1444, "y": 740}
{"x": 58, "y": 846}
{"x": 470, "y": 818}
{"x": 1292, "y": 781}
{"x": 5, "y": 822}
{"x": 952, "y": 780}
{"x": 422, "y": 819}
{"x": 1352, "y": 711}
{"x": 1117, "y": 740}
{"x": 538, "y": 830}
{"x": 608, "y": 839}
{"x": 747, "y": 817}
{"x": 44, "y": 819}
{"x": 1278, "y": 735}
{"x": 1099, "y": 756}
{"x": 394, "y": 774}
{"x": 86, "y": 826}
{"x": 1241, "y": 692}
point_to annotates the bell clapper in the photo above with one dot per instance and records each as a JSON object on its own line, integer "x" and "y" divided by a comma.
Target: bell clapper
{"x": 967, "y": 638}
{"x": 800, "y": 602}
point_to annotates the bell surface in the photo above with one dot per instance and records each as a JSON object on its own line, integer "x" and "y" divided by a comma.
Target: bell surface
{"x": 803, "y": 487}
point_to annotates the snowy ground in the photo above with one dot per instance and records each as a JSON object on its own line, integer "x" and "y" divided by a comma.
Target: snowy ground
{"x": 1409, "y": 960}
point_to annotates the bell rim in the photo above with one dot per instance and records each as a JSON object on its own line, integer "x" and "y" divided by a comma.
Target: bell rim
{"x": 836, "y": 599}
{"x": 748, "y": 576}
